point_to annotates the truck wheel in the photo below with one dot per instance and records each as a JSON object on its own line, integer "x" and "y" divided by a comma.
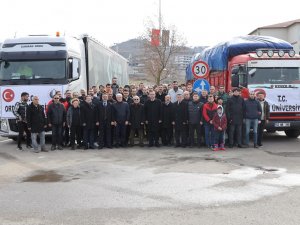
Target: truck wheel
{"x": 293, "y": 133}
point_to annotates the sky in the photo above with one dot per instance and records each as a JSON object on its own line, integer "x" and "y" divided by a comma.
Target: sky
{"x": 201, "y": 23}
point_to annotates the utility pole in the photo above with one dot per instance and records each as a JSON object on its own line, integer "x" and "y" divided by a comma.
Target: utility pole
{"x": 159, "y": 16}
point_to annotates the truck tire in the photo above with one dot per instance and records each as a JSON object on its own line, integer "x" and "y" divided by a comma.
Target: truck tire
{"x": 292, "y": 133}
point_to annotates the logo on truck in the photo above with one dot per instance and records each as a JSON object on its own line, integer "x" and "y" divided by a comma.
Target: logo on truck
{"x": 8, "y": 95}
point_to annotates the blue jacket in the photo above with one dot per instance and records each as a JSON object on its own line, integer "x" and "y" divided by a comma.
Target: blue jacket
{"x": 252, "y": 109}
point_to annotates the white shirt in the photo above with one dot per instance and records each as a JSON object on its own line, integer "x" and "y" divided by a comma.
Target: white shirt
{"x": 173, "y": 94}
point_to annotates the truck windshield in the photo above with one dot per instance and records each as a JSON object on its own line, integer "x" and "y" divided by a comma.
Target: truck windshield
{"x": 32, "y": 70}
{"x": 274, "y": 75}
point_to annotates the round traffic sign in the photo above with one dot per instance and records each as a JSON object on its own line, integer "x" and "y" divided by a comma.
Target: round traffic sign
{"x": 200, "y": 69}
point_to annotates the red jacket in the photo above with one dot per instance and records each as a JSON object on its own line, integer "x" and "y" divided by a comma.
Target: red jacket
{"x": 209, "y": 109}
{"x": 220, "y": 122}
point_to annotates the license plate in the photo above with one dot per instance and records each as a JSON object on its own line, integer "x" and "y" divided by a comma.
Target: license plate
{"x": 282, "y": 124}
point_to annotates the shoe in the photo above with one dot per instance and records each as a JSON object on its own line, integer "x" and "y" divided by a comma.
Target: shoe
{"x": 157, "y": 145}
{"x": 72, "y": 147}
{"x": 255, "y": 146}
{"x": 241, "y": 146}
{"x": 36, "y": 151}
{"x": 110, "y": 147}
{"x": 141, "y": 145}
{"x": 85, "y": 148}
{"x": 230, "y": 146}
{"x": 53, "y": 148}
{"x": 29, "y": 146}
{"x": 150, "y": 145}
{"x": 260, "y": 145}
{"x": 20, "y": 148}
{"x": 44, "y": 150}
{"x": 100, "y": 147}
{"x": 60, "y": 147}
{"x": 222, "y": 148}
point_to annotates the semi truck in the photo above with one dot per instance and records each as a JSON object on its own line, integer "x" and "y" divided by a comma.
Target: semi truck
{"x": 44, "y": 64}
{"x": 261, "y": 64}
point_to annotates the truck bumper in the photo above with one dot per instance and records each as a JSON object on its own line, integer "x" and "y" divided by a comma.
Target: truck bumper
{"x": 282, "y": 125}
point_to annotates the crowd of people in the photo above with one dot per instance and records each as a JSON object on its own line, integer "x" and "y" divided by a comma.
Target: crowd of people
{"x": 112, "y": 116}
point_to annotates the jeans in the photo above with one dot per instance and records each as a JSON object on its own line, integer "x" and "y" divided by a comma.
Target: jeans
{"x": 251, "y": 123}
{"x": 34, "y": 140}
{"x": 209, "y": 134}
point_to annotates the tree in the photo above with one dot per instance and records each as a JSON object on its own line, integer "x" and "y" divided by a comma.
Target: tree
{"x": 158, "y": 59}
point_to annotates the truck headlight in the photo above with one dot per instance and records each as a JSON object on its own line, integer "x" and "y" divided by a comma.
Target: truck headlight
{"x": 4, "y": 125}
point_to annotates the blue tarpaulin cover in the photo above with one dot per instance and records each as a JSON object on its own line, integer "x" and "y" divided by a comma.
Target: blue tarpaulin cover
{"x": 218, "y": 55}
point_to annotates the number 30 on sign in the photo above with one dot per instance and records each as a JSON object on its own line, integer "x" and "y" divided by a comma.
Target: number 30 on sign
{"x": 200, "y": 69}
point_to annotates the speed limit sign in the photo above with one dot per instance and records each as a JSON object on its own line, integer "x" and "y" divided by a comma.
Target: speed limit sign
{"x": 200, "y": 70}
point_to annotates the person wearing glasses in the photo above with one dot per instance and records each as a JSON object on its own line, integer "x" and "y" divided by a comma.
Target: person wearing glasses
{"x": 36, "y": 123}
{"x": 56, "y": 116}
{"x": 137, "y": 120}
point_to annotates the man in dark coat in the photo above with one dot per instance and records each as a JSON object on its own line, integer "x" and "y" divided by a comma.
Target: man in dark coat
{"x": 181, "y": 118}
{"x": 195, "y": 119}
{"x": 235, "y": 109}
{"x": 167, "y": 121}
{"x": 153, "y": 118}
{"x": 88, "y": 120}
{"x": 144, "y": 97}
{"x": 120, "y": 117}
{"x": 104, "y": 117}
{"x": 36, "y": 122}
{"x": 136, "y": 121}
{"x": 56, "y": 119}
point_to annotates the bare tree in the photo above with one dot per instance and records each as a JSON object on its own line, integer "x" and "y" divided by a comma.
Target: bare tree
{"x": 159, "y": 59}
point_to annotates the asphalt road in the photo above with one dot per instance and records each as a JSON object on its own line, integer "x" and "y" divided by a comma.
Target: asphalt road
{"x": 152, "y": 186}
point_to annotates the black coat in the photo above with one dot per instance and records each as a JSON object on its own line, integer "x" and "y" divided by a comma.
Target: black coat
{"x": 181, "y": 114}
{"x": 36, "y": 119}
{"x": 137, "y": 116}
{"x": 121, "y": 112}
{"x": 88, "y": 115}
{"x": 167, "y": 115}
{"x": 195, "y": 112}
{"x": 161, "y": 96}
{"x": 104, "y": 113}
{"x": 144, "y": 99}
{"x": 129, "y": 100}
{"x": 56, "y": 114}
{"x": 235, "y": 110}
{"x": 153, "y": 113}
